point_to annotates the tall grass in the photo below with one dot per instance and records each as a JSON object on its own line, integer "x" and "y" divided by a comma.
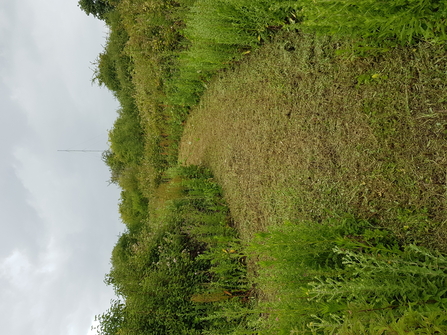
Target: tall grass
{"x": 169, "y": 50}
{"x": 182, "y": 269}
{"x": 183, "y": 272}
{"x": 344, "y": 276}
{"x": 219, "y": 32}
{"x": 203, "y": 216}
{"x": 379, "y": 22}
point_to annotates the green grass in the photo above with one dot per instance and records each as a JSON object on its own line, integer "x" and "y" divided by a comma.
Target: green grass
{"x": 330, "y": 116}
{"x": 307, "y": 131}
{"x": 183, "y": 273}
{"x": 298, "y": 132}
{"x": 344, "y": 276}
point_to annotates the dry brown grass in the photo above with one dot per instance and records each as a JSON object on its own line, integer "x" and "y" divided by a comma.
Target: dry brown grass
{"x": 297, "y": 133}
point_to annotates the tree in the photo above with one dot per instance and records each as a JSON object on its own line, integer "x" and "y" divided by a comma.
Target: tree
{"x": 111, "y": 321}
{"x": 98, "y": 8}
{"x": 116, "y": 166}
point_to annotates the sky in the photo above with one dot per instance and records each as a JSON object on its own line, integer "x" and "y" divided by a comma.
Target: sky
{"x": 58, "y": 214}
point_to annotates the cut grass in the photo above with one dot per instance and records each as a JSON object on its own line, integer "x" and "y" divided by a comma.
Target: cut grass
{"x": 299, "y": 133}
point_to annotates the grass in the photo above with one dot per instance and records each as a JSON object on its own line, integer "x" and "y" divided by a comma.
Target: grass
{"x": 336, "y": 126}
{"x": 184, "y": 273}
{"x": 298, "y": 132}
{"x": 344, "y": 276}
{"x": 310, "y": 131}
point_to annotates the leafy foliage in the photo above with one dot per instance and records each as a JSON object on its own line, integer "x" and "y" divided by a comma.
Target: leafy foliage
{"x": 187, "y": 251}
{"x": 98, "y": 8}
{"x": 111, "y": 321}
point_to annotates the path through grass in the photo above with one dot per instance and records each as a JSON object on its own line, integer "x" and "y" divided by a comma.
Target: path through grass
{"x": 297, "y": 132}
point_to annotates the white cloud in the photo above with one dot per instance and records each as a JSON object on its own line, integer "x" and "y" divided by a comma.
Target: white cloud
{"x": 27, "y": 285}
{"x": 52, "y": 193}
{"x": 15, "y": 269}
{"x": 22, "y": 275}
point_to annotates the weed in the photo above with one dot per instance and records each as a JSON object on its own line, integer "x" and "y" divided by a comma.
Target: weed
{"x": 330, "y": 282}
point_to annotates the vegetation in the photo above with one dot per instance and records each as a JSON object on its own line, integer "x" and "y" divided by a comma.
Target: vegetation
{"x": 324, "y": 123}
{"x": 354, "y": 135}
{"x": 345, "y": 276}
{"x": 186, "y": 266}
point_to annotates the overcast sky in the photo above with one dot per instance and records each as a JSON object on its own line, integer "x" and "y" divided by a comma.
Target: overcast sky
{"x": 58, "y": 216}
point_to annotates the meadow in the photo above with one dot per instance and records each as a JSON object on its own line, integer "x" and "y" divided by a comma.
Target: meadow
{"x": 282, "y": 166}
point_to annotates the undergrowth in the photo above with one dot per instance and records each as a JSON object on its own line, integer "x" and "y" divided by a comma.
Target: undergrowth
{"x": 184, "y": 274}
{"x": 345, "y": 276}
